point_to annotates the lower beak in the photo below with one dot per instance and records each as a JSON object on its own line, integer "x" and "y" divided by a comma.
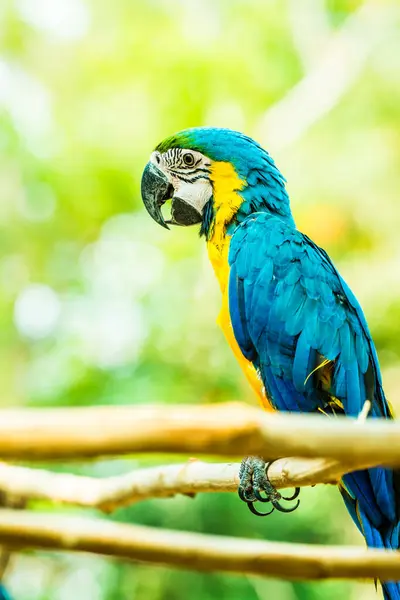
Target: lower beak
{"x": 156, "y": 190}
{"x": 183, "y": 213}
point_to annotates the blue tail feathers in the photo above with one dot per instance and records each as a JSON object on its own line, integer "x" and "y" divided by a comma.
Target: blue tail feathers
{"x": 370, "y": 497}
{"x": 391, "y": 590}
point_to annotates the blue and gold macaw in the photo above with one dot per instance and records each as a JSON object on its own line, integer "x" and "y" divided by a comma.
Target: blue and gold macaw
{"x": 293, "y": 323}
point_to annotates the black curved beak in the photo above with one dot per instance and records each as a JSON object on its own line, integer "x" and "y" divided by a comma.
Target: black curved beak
{"x": 156, "y": 190}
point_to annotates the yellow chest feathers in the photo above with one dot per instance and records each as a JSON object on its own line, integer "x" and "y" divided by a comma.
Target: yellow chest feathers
{"x": 226, "y": 185}
{"x": 227, "y": 200}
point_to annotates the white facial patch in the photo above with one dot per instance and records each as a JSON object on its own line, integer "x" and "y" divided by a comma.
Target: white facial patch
{"x": 196, "y": 194}
{"x": 191, "y": 182}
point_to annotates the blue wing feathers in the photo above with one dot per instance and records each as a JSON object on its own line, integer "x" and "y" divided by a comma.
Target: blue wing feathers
{"x": 238, "y": 317}
{"x": 353, "y": 399}
{"x": 291, "y": 286}
{"x": 303, "y": 362}
{"x": 361, "y": 352}
{"x": 359, "y": 483}
{"x": 306, "y": 333}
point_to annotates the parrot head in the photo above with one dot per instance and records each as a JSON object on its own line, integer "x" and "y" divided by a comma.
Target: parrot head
{"x": 211, "y": 176}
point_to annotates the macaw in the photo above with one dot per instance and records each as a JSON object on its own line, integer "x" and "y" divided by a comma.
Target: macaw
{"x": 296, "y": 328}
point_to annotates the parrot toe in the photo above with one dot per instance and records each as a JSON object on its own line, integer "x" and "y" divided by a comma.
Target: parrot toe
{"x": 255, "y": 486}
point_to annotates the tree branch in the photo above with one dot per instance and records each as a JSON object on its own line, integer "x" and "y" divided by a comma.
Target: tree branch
{"x": 193, "y": 550}
{"x": 20, "y": 530}
{"x": 229, "y": 429}
{"x": 190, "y": 478}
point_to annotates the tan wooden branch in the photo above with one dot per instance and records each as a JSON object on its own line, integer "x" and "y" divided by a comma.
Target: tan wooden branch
{"x": 230, "y": 429}
{"x": 190, "y": 478}
{"x": 193, "y": 550}
{"x": 158, "y": 482}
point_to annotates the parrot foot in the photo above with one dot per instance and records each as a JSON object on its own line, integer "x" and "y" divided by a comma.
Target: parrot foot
{"x": 253, "y": 475}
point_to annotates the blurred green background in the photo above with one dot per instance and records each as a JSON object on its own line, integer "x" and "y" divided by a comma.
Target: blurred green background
{"x": 99, "y": 305}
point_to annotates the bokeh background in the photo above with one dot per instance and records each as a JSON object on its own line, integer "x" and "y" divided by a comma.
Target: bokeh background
{"x": 99, "y": 305}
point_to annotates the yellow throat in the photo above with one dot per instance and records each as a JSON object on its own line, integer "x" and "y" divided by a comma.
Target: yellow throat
{"x": 227, "y": 200}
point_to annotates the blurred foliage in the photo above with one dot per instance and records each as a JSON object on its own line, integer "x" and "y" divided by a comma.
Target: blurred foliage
{"x": 98, "y": 305}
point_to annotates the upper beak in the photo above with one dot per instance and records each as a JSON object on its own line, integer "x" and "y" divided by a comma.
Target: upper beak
{"x": 156, "y": 190}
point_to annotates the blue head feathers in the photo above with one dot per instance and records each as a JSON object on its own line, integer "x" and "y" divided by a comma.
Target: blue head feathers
{"x": 265, "y": 185}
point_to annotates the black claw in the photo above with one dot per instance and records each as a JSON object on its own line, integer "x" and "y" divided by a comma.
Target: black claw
{"x": 296, "y": 493}
{"x": 246, "y": 495}
{"x": 256, "y": 512}
{"x": 256, "y": 486}
{"x": 259, "y": 497}
{"x": 283, "y": 509}
{"x": 241, "y": 494}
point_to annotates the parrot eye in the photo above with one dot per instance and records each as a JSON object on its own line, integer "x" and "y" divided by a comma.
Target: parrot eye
{"x": 188, "y": 159}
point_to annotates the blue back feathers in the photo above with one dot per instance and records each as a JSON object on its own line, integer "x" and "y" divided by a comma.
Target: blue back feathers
{"x": 296, "y": 319}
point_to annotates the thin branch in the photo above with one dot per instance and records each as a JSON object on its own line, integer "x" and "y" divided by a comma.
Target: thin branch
{"x": 229, "y": 429}
{"x": 194, "y": 550}
{"x": 189, "y": 478}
